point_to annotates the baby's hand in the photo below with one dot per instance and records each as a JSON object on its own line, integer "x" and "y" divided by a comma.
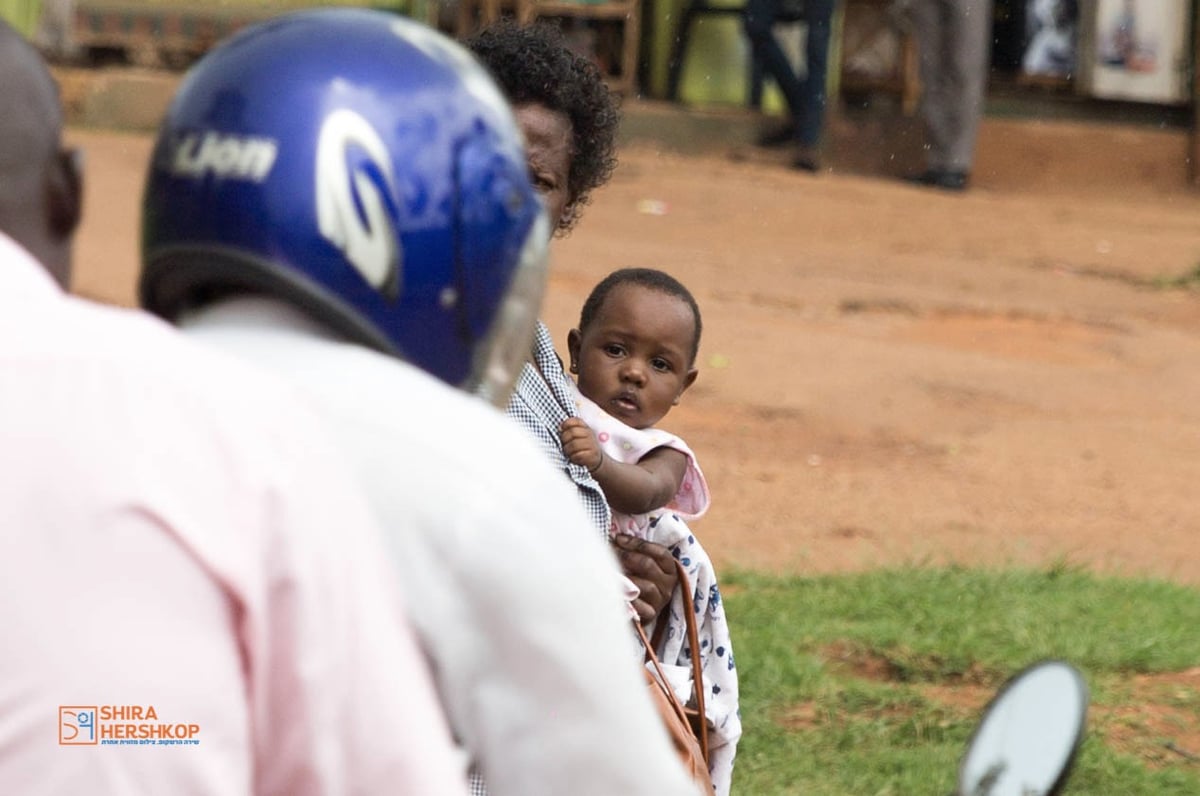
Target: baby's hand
{"x": 579, "y": 444}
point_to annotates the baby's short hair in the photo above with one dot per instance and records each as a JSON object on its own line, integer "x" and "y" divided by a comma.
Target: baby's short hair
{"x": 650, "y": 278}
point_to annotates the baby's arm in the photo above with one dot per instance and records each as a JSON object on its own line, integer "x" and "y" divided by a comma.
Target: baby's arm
{"x": 630, "y": 488}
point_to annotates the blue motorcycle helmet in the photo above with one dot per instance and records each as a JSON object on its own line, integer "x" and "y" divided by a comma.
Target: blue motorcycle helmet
{"x": 364, "y": 168}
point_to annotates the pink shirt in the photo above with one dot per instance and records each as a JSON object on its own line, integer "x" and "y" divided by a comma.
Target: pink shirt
{"x": 183, "y": 559}
{"x": 630, "y": 446}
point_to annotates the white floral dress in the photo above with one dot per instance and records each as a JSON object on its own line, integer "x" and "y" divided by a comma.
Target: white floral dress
{"x": 668, "y": 526}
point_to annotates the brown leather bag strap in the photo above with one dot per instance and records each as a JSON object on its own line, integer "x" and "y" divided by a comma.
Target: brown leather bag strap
{"x": 693, "y": 634}
{"x": 694, "y": 645}
{"x": 676, "y": 705}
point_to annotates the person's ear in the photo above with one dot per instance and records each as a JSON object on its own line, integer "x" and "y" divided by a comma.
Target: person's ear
{"x": 64, "y": 192}
{"x": 574, "y": 338}
{"x": 688, "y": 381}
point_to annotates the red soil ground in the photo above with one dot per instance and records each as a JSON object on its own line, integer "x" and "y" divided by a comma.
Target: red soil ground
{"x": 890, "y": 374}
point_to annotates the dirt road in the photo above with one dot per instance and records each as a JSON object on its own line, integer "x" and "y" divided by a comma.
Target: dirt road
{"x": 890, "y": 374}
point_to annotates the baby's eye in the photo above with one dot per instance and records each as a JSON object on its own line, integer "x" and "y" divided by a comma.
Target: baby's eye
{"x": 612, "y": 349}
{"x": 661, "y": 365}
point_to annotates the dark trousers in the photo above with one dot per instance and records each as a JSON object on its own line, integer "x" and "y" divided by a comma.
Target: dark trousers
{"x": 805, "y": 97}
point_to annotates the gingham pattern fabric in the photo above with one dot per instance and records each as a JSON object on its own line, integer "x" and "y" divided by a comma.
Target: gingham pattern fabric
{"x": 540, "y": 403}
{"x": 475, "y": 783}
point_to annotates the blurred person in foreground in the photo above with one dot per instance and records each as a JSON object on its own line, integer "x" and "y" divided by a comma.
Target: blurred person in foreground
{"x": 340, "y": 196}
{"x": 183, "y": 559}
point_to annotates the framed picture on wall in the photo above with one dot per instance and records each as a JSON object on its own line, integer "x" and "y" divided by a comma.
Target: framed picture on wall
{"x": 1051, "y": 39}
{"x": 1138, "y": 50}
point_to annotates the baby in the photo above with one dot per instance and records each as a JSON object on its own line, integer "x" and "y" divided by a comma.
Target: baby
{"x": 634, "y": 356}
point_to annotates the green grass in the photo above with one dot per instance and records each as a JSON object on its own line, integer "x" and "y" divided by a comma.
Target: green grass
{"x": 836, "y": 673}
{"x": 1188, "y": 280}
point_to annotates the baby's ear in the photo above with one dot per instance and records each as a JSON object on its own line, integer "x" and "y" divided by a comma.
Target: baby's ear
{"x": 574, "y": 338}
{"x": 688, "y": 381}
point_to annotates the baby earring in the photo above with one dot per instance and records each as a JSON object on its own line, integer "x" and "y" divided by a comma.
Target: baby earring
{"x": 574, "y": 367}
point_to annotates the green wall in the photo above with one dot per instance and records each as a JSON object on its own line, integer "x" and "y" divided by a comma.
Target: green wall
{"x": 21, "y": 14}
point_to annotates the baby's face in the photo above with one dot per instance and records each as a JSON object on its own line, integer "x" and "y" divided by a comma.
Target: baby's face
{"x": 635, "y": 358}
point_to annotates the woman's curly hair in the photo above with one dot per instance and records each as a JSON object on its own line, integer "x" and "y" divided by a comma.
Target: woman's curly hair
{"x": 533, "y": 64}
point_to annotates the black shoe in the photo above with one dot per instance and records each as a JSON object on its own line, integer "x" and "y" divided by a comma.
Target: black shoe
{"x": 806, "y": 159}
{"x": 941, "y": 178}
{"x": 781, "y": 135}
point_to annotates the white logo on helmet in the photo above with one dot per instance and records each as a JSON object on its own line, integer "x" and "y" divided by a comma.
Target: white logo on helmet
{"x": 368, "y": 239}
{"x": 224, "y": 156}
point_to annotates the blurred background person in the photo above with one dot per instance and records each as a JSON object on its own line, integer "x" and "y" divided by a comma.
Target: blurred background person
{"x": 954, "y": 46}
{"x": 805, "y": 95}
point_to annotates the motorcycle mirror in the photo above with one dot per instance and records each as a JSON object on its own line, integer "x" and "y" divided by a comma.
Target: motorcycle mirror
{"x": 1030, "y": 732}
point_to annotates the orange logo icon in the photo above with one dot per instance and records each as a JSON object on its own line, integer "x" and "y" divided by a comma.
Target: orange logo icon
{"x": 77, "y": 725}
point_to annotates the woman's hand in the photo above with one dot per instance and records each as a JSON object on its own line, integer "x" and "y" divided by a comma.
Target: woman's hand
{"x": 652, "y": 569}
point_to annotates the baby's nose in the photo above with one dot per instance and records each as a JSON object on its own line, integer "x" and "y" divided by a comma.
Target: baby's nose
{"x": 634, "y": 372}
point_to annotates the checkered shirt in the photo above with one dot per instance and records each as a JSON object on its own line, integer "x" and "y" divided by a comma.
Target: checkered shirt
{"x": 540, "y": 403}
